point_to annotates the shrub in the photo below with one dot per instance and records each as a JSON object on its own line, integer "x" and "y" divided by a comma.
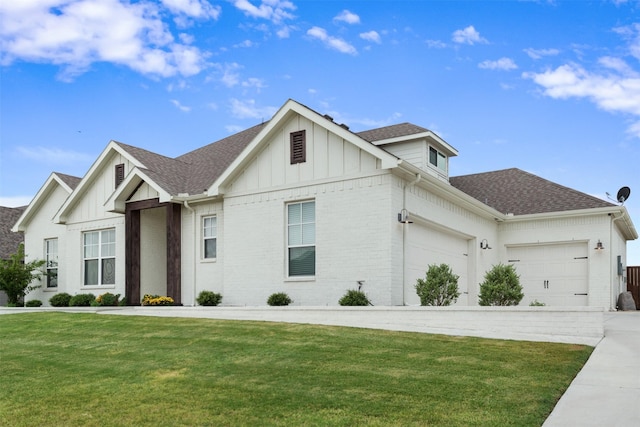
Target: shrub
{"x": 156, "y": 300}
{"x": 81, "y": 300}
{"x": 536, "y": 303}
{"x": 354, "y": 298}
{"x": 16, "y": 276}
{"x": 440, "y": 286}
{"x": 279, "y": 299}
{"x": 209, "y": 298}
{"x": 33, "y": 303}
{"x": 60, "y": 300}
{"x": 501, "y": 286}
{"x": 107, "y": 299}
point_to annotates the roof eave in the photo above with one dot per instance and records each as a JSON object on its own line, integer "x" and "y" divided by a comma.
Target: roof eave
{"x": 38, "y": 199}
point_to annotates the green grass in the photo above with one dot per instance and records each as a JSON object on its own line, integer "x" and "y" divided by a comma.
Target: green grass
{"x": 100, "y": 370}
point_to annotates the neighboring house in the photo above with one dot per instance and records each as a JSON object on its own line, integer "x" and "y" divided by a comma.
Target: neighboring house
{"x": 302, "y": 205}
{"x": 9, "y": 241}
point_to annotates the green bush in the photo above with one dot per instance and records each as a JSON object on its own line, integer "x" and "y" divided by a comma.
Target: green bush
{"x": 536, "y": 303}
{"x": 107, "y": 299}
{"x": 439, "y": 287}
{"x": 354, "y": 298}
{"x": 501, "y": 286}
{"x": 81, "y": 300}
{"x": 279, "y": 299}
{"x": 33, "y": 303}
{"x": 209, "y": 298}
{"x": 60, "y": 300}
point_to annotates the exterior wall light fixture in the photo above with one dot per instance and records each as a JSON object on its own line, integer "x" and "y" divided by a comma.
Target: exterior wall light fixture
{"x": 599, "y": 246}
{"x": 484, "y": 244}
{"x": 403, "y": 217}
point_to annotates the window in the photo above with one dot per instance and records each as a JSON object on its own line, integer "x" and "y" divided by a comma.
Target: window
{"x": 209, "y": 235}
{"x": 119, "y": 174}
{"x": 298, "y": 147}
{"x": 99, "y": 255}
{"x": 51, "y": 264}
{"x": 437, "y": 159}
{"x": 301, "y": 238}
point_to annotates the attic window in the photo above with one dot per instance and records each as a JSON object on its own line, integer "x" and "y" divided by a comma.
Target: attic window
{"x": 298, "y": 147}
{"x": 119, "y": 174}
{"x": 438, "y": 159}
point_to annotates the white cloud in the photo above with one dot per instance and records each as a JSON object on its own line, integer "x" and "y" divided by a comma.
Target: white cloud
{"x": 612, "y": 92}
{"x": 254, "y": 82}
{"x": 632, "y": 34}
{"x": 275, "y": 11}
{"x": 76, "y": 33}
{"x": 540, "y": 53}
{"x": 200, "y": 9}
{"x": 54, "y": 156}
{"x": 249, "y": 110}
{"x": 15, "y": 201}
{"x": 468, "y": 35}
{"x": 230, "y": 76}
{"x": 348, "y": 17}
{"x": 505, "y": 64}
{"x": 371, "y": 36}
{"x": 435, "y": 44}
{"x": 330, "y": 41}
{"x": 180, "y": 107}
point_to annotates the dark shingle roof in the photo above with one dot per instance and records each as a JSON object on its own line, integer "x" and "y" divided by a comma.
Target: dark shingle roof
{"x": 195, "y": 171}
{"x": 71, "y": 181}
{"x": 9, "y": 240}
{"x": 393, "y": 131}
{"x": 521, "y": 193}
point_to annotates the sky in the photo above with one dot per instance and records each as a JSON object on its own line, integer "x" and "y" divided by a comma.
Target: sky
{"x": 549, "y": 87}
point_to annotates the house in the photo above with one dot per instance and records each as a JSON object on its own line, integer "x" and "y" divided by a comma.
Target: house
{"x": 9, "y": 241}
{"x": 302, "y": 205}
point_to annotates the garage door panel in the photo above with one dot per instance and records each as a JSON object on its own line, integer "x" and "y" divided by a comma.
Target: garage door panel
{"x": 553, "y": 274}
{"x": 426, "y": 246}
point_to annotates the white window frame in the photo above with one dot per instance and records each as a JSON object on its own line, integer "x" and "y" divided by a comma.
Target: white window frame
{"x": 102, "y": 250}
{"x": 51, "y": 262}
{"x": 209, "y": 233}
{"x": 441, "y": 160}
{"x": 306, "y": 240}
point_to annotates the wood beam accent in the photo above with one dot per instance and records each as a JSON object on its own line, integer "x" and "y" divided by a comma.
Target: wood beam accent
{"x": 174, "y": 255}
{"x": 132, "y": 256}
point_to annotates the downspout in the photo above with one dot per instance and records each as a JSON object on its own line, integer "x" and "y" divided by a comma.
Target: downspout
{"x": 195, "y": 248}
{"x": 404, "y": 234}
{"x": 613, "y": 264}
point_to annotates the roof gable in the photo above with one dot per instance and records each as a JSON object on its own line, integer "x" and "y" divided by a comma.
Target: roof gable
{"x": 288, "y": 110}
{"x": 513, "y": 191}
{"x": 67, "y": 182}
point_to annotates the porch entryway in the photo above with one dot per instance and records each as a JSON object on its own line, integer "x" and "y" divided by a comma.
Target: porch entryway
{"x": 153, "y": 250}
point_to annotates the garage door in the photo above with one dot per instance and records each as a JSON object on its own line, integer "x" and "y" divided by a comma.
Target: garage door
{"x": 556, "y": 275}
{"x": 426, "y": 246}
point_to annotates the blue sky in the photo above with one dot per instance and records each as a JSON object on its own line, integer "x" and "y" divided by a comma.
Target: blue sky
{"x": 550, "y": 87}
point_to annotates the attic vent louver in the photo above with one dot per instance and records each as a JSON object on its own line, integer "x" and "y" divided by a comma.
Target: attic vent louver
{"x": 298, "y": 147}
{"x": 119, "y": 174}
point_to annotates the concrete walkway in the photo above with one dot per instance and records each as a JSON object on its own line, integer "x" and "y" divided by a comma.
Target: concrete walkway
{"x": 606, "y": 392}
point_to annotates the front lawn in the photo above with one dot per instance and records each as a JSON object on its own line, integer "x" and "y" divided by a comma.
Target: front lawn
{"x": 65, "y": 369}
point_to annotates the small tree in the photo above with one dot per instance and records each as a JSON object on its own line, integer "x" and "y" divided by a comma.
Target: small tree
{"x": 16, "y": 275}
{"x": 501, "y": 286}
{"x": 439, "y": 287}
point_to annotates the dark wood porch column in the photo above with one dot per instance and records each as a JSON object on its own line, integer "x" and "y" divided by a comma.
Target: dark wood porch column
{"x": 174, "y": 258}
{"x": 132, "y": 256}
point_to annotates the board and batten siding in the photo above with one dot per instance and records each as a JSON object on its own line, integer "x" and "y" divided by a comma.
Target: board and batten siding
{"x": 90, "y": 206}
{"x": 328, "y": 157}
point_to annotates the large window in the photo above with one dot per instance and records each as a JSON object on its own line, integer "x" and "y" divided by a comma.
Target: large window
{"x": 301, "y": 238}
{"x": 51, "y": 265}
{"x": 210, "y": 236}
{"x": 438, "y": 159}
{"x": 99, "y": 255}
